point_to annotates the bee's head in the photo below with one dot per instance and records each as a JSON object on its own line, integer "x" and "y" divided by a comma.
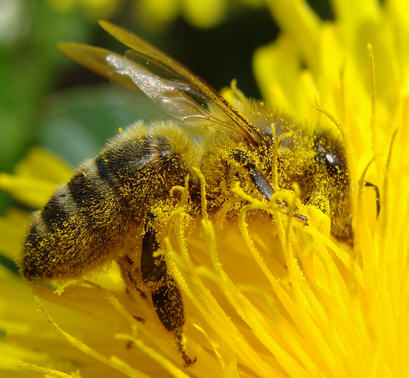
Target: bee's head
{"x": 289, "y": 152}
{"x": 314, "y": 161}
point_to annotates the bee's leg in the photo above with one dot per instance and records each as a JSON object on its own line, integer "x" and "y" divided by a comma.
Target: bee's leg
{"x": 166, "y": 297}
{"x": 259, "y": 180}
{"x": 257, "y": 177}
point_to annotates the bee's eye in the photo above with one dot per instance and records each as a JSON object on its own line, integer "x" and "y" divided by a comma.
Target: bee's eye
{"x": 333, "y": 161}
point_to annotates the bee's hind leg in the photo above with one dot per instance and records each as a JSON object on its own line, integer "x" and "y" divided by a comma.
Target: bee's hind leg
{"x": 166, "y": 297}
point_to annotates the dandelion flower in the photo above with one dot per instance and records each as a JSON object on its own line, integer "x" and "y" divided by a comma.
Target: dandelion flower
{"x": 263, "y": 296}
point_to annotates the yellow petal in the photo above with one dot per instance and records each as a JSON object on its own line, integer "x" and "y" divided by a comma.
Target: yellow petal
{"x": 297, "y": 19}
{"x": 36, "y": 178}
{"x": 13, "y": 228}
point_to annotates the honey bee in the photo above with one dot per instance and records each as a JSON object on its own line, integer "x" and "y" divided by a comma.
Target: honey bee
{"x": 107, "y": 210}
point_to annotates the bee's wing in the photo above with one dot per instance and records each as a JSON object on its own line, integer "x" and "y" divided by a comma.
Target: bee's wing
{"x": 170, "y": 85}
{"x": 94, "y": 58}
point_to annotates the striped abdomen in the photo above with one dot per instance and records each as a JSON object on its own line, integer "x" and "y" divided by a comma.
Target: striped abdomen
{"x": 78, "y": 228}
{"x": 97, "y": 215}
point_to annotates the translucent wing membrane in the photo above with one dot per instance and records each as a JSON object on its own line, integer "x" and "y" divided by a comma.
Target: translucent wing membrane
{"x": 94, "y": 58}
{"x": 176, "y": 98}
{"x": 167, "y": 83}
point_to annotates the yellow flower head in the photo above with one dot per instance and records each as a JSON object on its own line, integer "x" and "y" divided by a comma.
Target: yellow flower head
{"x": 264, "y": 294}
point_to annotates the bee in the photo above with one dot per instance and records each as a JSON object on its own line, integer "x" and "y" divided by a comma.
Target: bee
{"x": 108, "y": 209}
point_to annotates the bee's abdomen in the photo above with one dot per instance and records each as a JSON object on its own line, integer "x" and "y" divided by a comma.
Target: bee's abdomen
{"x": 81, "y": 226}
{"x": 97, "y": 215}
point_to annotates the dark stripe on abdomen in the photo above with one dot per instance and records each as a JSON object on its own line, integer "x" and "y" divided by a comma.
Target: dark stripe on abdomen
{"x": 83, "y": 190}
{"x": 125, "y": 159}
{"x": 54, "y": 213}
{"x": 103, "y": 171}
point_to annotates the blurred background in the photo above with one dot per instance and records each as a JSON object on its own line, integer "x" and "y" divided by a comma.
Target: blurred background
{"x": 47, "y": 100}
